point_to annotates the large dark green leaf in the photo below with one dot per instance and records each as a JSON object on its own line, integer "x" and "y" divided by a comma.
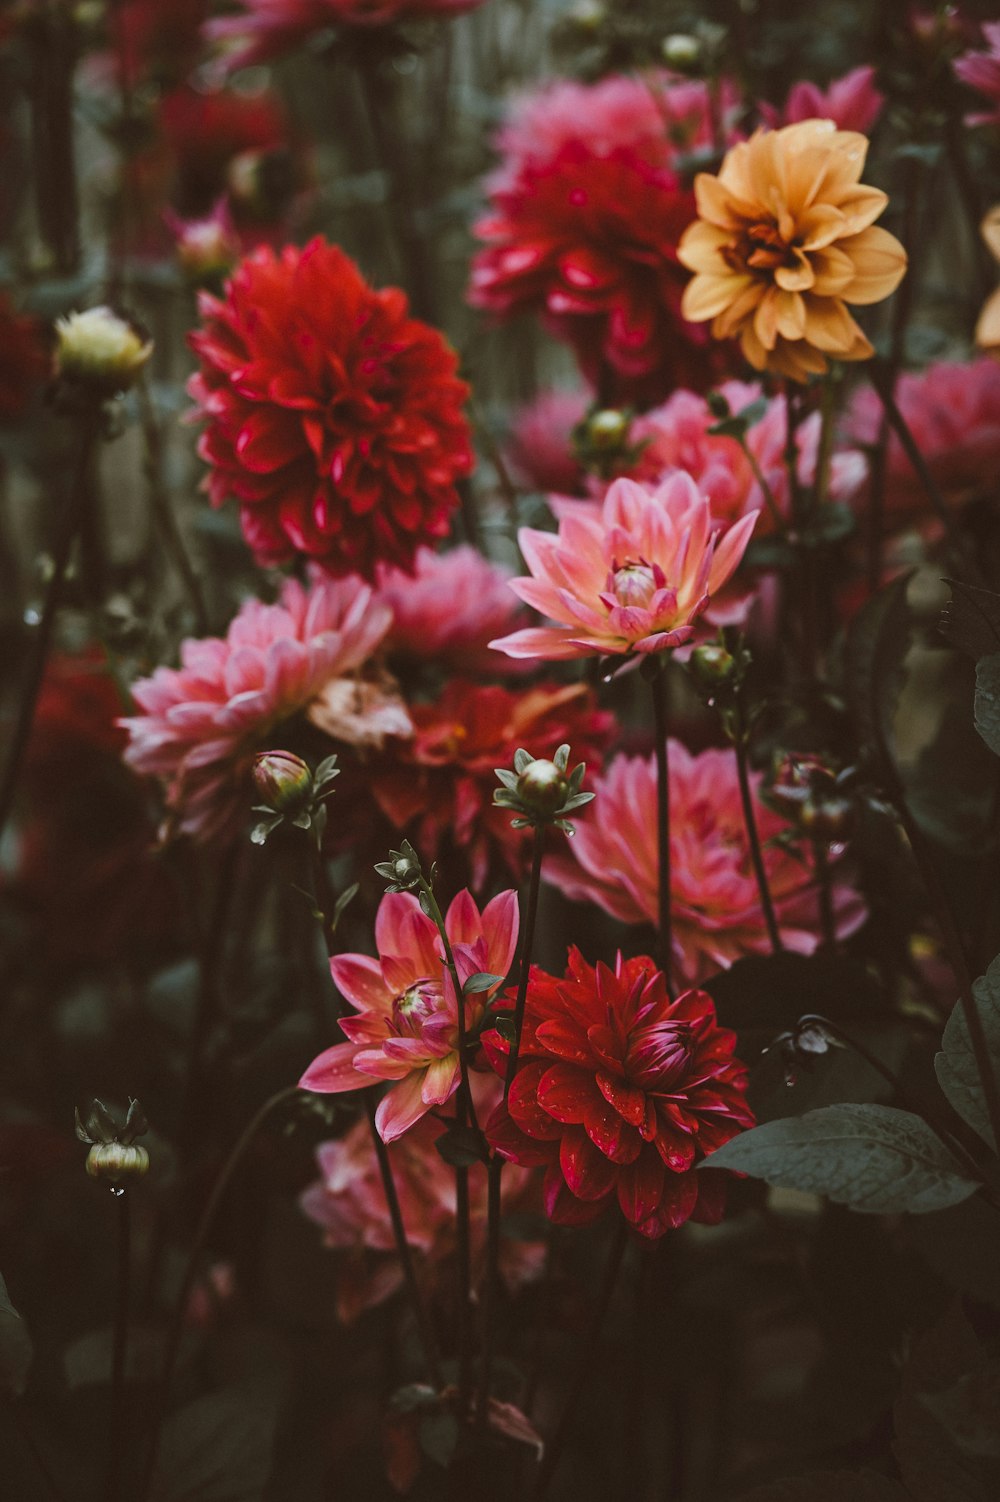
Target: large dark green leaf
{"x": 877, "y": 644}
{"x": 218, "y": 1449}
{"x": 957, "y": 1071}
{"x": 15, "y": 1346}
{"x": 971, "y": 619}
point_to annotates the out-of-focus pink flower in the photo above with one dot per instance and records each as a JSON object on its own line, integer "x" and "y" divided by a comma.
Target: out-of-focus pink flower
{"x": 449, "y": 610}
{"x": 541, "y": 445}
{"x": 201, "y": 725}
{"x": 852, "y": 103}
{"x": 586, "y": 212}
{"x": 406, "y": 1030}
{"x": 981, "y": 71}
{"x": 953, "y": 412}
{"x": 266, "y": 28}
{"x": 206, "y": 249}
{"x": 636, "y": 579}
{"x": 715, "y": 908}
{"x": 676, "y": 436}
{"x": 348, "y": 1203}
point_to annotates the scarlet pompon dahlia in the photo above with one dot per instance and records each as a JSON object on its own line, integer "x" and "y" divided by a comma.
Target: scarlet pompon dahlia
{"x": 620, "y": 1093}
{"x": 201, "y": 725}
{"x": 334, "y": 418}
{"x": 635, "y": 577}
{"x": 785, "y": 240}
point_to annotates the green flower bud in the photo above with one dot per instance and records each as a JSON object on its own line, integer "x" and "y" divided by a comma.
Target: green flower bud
{"x": 607, "y": 430}
{"x": 542, "y": 787}
{"x": 98, "y": 349}
{"x": 712, "y": 665}
{"x": 681, "y": 52}
{"x": 115, "y": 1161}
{"x": 282, "y": 780}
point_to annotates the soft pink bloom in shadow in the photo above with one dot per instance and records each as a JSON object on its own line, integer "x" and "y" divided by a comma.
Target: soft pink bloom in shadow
{"x": 201, "y": 725}
{"x": 449, "y": 609}
{"x": 348, "y": 1203}
{"x": 716, "y": 912}
{"x": 981, "y": 71}
{"x": 267, "y": 28}
{"x": 406, "y": 1028}
{"x": 633, "y": 578}
{"x": 852, "y": 103}
{"x": 540, "y": 448}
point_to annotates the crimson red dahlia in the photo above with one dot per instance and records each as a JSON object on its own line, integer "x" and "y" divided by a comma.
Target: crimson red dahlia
{"x": 334, "y": 418}
{"x": 621, "y": 1092}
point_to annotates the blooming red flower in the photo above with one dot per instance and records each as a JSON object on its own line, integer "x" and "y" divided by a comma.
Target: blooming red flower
{"x": 586, "y": 214}
{"x": 267, "y": 28}
{"x": 620, "y": 1093}
{"x": 334, "y": 418}
{"x": 439, "y": 785}
{"x": 23, "y": 360}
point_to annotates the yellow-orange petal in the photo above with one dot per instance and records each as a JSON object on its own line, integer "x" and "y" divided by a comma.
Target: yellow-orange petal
{"x": 833, "y": 270}
{"x": 752, "y": 348}
{"x": 717, "y": 204}
{"x": 700, "y": 248}
{"x": 862, "y": 208}
{"x": 765, "y": 319}
{"x": 791, "y": 320}
{"x": 988, "y": 326}
{"x": 798, "y": 360}
{"x": 705, "y": 296}
{"x": 990, "y": 231}
{"x": 829, "y": 326}
{"x": 879, "y": 265}
{"x": 819, "y": 226}
{"x": 728, "y": 323}
{"x": 797, "y": 278}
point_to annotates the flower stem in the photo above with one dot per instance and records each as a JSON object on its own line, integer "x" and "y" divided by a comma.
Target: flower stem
{"x": 584, "y": 1367}
{"x": 72, "y": 520}
{"x": 753, "y": 834}
{"x": 524, "y": 969}
{"x": 658, "y": 685}
{"x": 824, "y": 881}
{"x": 118, "y": 1429}
{"x": 163, "y": 513}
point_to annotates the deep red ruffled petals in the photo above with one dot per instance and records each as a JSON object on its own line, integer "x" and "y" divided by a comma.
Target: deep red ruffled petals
{"x": 589, "y": 1174}
{"x": 563, "y": 1206}
{"x": 629, "y": 1102}
{"x": 524, "y": 1108}
{"x": 566, "y": 1093}
{"x": 640, "y": 1187}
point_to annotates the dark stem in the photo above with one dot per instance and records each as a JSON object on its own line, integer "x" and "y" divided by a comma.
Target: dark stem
{"x": 72, "y": 520}
{"x": 173, "y": 1341}
{"x": 658, "y": 684}
{"x": 753, "y": 835}
{"x": 119, "y": 1428}
{"x": 824, "y": 882}
{"x": 524, "y": 969}
{"x": 207, "y": 1002}
{"x": 584, "y": 1368}
{"x": 54, "y": 162}
{"x": 163, "y": 511}
{"x": 34, "y": 1449}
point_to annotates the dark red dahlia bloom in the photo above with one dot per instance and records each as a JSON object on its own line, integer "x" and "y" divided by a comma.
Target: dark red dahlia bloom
{"x": 588, "y": 239}
{"x": 620, "y": 1092}
{"x": 334, "y": 418}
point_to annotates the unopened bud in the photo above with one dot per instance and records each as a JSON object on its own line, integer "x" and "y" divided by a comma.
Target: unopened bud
{"x": 282, "y": 780}
{"x": 827, "y": 820}
{"x": 115, "y": 1161}
{"x": 607, "y": 430}
{"x": 681, "y": 52}
{"x": 98, "y": 349}
{"x": 542, "y": 788}
{"x": 712, "y": 665}
{"x": 206, "y": 249}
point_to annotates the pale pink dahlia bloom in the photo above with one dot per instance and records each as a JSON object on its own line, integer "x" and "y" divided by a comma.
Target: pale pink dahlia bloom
{"x": 449, "y": 609}
{"x": 540, "y": 447}
{"x": 852, "y": 103}
{"x": 201, "y": 725}
{"x": 715, "y": 906}
{"x": 981, "y": 71}
{"x": 406, "y": 1030}
{"x": 634, "y": 578}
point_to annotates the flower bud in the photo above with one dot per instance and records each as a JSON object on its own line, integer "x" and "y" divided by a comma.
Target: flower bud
{"x": 282, "y": 780}
{"x": 206, "y": 249}
{"x": 827, "y": 820}
{"x": 681, "y": 52}
{"x": 712, "y": 665}
{"x": 542, "y": 788}
{"x": 115, "y": 1161}
{"x": 98, "y": 349}
{"x": 607, "y": 430}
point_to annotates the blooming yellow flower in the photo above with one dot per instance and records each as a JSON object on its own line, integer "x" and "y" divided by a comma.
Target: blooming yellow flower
{"x": 783, "y": 241}
{"x": 988, "y": 327}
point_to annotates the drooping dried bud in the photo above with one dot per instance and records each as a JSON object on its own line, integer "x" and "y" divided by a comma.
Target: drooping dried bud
{"x": 115, "y": 1162}
{"x": 99, "y": 350}
{"x": 114, "y": 1153}
{"x": 542, "y": 787}
{"x": 806, "y": 791}
{"x": 282, "y": 780}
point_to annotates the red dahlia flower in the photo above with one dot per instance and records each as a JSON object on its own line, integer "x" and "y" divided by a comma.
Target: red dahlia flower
{"x": 621, "y": 1092}
{"x": 334, "y": 418}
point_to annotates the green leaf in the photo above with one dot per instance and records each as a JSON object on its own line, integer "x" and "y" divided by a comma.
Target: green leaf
{"x": 481, "y": 981}
{"x": 522, "y": 759}
{"x": 988, "y": 700}
{"x": 462, "y": 1146}
{"x": 971, "y": 619}
{"x": 877, "y": 644}
{"x": 875, "y": 1159}
{"x": 508, "y": 779}
{"x": 438, "y": 1437}
{"x": 506, "y": 1027}
{"x": 342, "y": 903}
{"x": 16, "y": 1349}
{"x": 218, "y": 1449}
{"x": 955, "y": 1065}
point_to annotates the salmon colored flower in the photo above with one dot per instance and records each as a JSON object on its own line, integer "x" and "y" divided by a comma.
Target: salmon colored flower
{"x": 333, "y": 417}
{"x": 448, "y": 609}
{"x": 981, "y": 71}
{"x": 406, "y": 1028}
{"x": 988, "y": 327}
{"x": 716, "y": 916}
{"x": 635, "y": 578}
{"x": 785, "y": 239}
{"x": 621, "y": 1092}
{"x": 852, "y": 102}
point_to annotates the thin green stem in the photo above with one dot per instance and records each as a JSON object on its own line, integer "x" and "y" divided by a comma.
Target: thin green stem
{"x": 770, "y": 499}
{"x": 753, "y": 836}
{"x": 119, "y": 1428}
{"x": 659, "y": 691}
{"x": 163, "y": 511}
{"x": 524, "y": 969}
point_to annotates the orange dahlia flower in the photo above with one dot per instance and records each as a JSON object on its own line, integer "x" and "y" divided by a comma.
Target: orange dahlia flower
{"x": 785, "y": 238}
{"x": 988, "y": 327}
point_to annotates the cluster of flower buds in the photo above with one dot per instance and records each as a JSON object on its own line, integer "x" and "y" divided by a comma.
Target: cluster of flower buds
{"x": 541, "y": 792}
{"x": 601, "y": 441}
{"x": 99, "y": 355}
{"x": 115, "y": 1157}
{"x": 291, "y": 793}
{"x": 799, "y": 1049}
{"x": 402, "y": 870}
{"x": 814, "y": 798}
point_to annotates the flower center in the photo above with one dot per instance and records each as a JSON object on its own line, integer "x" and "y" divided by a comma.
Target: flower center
{"x": 635, "y": 582}
{"x": 417, "y": 1005}
{"x": 658, "y": 1055}
{"x": 761, "y": 247}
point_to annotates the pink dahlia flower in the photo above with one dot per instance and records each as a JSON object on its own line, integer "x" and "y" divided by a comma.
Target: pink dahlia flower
{"x": 449, "y": 609}
{"x": 201, "y": 725}
{"x": 715, "y": 908}
{"x": 676, "y": 436}
{"x": 406, "y": 1030}
{"x": 633, "y": 579}
{"x": 540, "y": 447}
{"x": 333, "y": 417}
{"x": 267, "y": 28}
{"x": 348, "y": 1203}
{"x": 981, "y": 71}
{"x": 953, "y": 412}
{"x": 852, "y": 103}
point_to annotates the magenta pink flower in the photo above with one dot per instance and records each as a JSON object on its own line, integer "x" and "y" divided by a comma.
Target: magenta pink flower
{"x": 406, "y": 1030}
{"x": 201, "y": 725}
{"x": 981, "y": 71}
{"x": 852, "y": 103}
{"x": 449, "y": 609}
{"x": 540, "y": 447}
{"x": 266, "y": 28}
{"x": 633, "y": 579}
{"x": 716, "y": 913}
{"x": 953, "y": 411}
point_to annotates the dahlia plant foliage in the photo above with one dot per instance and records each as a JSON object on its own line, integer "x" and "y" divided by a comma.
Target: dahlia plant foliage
{"x": 500, "y": 536}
